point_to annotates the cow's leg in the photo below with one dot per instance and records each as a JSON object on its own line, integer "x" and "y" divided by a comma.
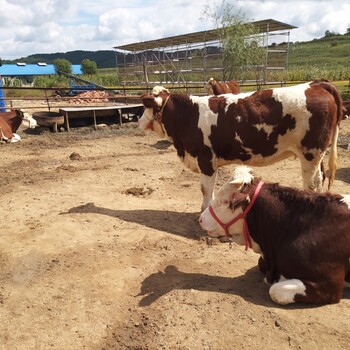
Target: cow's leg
{"x": 347, "y": 280}
{"x": 347, "y": 277}
{"x": 295, "y": 290}
{"x": 312, "y": 174}
{"x": 262, "y": 265}
{"x": 207, "y": 188}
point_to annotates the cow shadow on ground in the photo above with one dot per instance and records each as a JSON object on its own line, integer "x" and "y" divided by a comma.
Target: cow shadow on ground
{"x": 249, "y": 286}
{"x": 343, "y": 174}
{"x": 162, "y": 144}
{"x": 180, "y": 224}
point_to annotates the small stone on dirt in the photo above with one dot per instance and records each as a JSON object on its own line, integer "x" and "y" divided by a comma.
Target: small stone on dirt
{"x": 75, "y": 156}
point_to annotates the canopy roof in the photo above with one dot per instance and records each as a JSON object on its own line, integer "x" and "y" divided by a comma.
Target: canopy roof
{"x": 267, "y": 25}
{"x": 22, "y": 69}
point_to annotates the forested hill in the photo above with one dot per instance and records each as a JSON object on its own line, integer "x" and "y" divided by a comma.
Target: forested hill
{"x": 103, "y": 58}
{"x": 332, "y": 51}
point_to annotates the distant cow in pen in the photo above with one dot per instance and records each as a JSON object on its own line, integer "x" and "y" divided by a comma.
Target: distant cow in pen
{"x": 11, "y": 121}
{"x": 223, "y": 87}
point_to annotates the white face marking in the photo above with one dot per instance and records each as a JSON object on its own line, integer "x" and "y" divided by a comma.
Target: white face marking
{"x": 158, "y": 89}
{"x": 346, "y": 199}
{"x": 146, "y": 119}
{"x": 147, "y": 116}
{"x": 243, "y": 175}
{"x": 222, "y": 210}
{"x": 28, "y": 121}
{"x": 285, "y": 291}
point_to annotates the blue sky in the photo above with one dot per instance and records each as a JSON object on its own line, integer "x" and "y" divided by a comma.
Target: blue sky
{"x": 48, "y": 26}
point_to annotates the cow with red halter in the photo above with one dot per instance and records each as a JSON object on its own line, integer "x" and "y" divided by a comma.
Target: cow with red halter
{"x": 11, "y": 121}
{"x": 303, "y": 237}
{"x": 257, "y": 128}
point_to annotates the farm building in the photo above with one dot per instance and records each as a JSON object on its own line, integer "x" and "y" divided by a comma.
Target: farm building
{"x": 25, "y": 70}
{"x": 196, "y": 56}
{"x": 22, "y": 73}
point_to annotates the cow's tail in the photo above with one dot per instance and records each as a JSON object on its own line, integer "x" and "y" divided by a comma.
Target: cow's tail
{"x": 333, "y": 155}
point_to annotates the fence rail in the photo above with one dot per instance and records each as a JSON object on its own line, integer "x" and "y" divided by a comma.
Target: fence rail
{"x": 57, "y": 97}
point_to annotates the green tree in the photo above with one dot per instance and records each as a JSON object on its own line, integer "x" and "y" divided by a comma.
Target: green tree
{"x": 328, "y": 33}
{"x": 88, "y": 67}
{"x": 62, "y": 65}
{"x": 0, "y": 62}
{"x": 242, "y": 46}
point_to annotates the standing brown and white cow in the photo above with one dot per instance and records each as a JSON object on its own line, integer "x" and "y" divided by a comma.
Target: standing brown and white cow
{"x": 257, "y": 128}
{"x": 303, "y": 237}
{"x": 223, "y": 87}
{"x": 11, "y": 121}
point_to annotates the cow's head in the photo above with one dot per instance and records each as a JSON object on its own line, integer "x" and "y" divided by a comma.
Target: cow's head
{"x": 208, "y": 86}
{"x": 212, "y": 82}
{"x": 229, "y": 202}
{"x": 154, "y": 104}
{"x": 27, "y": 120}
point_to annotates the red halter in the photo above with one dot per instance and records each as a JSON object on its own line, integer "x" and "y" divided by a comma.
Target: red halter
{"x": 246, "y": 234}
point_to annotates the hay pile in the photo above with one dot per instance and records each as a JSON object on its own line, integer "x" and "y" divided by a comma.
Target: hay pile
{"x": 90, "y": 97}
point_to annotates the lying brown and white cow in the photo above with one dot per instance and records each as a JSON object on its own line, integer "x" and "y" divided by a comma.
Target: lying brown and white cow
{"x": 11, "y": 121}
{"x": 303, "y": 236}
{"x": 257, "y": 128}
{"x": 224, "y": 87}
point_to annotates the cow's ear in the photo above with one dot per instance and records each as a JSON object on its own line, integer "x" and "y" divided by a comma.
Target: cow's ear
{"x": 239, "y": 199}
{"x": 148, "y": 101}
{"x": 238, "y": 183}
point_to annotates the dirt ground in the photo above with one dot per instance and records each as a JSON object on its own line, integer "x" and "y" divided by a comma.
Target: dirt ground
{"x": 100, "y": 249}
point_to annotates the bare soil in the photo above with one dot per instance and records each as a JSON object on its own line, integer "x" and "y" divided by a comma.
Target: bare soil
{"x": 100, "y": 249}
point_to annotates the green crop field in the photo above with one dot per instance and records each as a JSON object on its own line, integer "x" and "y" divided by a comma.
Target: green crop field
{"x": 328, "y": 58}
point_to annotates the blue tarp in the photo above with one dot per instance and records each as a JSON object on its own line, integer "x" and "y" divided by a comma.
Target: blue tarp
{"x": 2, "y": 101}
{"x": 14, "y": 70}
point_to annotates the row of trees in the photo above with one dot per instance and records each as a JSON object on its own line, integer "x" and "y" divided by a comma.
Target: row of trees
{"x": 241, "y": 41}
{"x": 88, "y": 67}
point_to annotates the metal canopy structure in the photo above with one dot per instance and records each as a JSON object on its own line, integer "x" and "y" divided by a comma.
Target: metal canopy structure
{"x": 188, "y": 57}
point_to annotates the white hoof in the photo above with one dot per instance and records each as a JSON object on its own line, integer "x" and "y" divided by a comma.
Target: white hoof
{"x": 284, "y": 292}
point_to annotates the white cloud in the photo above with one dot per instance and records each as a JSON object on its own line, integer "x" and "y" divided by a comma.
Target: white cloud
{"x": 47, "y": 26}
